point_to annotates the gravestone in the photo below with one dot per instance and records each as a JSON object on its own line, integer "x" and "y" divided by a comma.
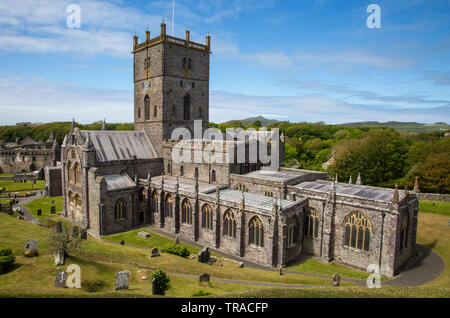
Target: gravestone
{"x": 59, "y": 227}
{"x": 177, "y": 241}
{"x": 336, "y": 280}
{"x": 204, "y": 278}
{"x": 19, "y": 217}
{"x": 30, "y": 245}
{"x": 154, "y": 287}
{"x": 144, "y": 234}
{"x": 53, "y": 201}
{"x": 281, "y": 270}
{"x": 122, "y": 280}
{"x": 39, "y": 212}
{"x": 154, "y": 252}
{"x": 122, "y": 242}
{"x": 204, "y": 255}
{"x": 83, "y": 234}
{"x": 75, "y": 231}
{"x": 53, "y": 209}
{"x": 59, "y": 258}
{"x": 60, "y": 280}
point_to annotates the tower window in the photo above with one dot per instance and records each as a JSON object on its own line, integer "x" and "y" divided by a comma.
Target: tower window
{"x": 186, "y": 109}
{"x": 139, "y": 112}
{"x": 184, "y": 62}
{"x": 190, "y": 64}
{"x": 181, "y": 171}
{"x": 155, "y": 112}
{"x": 147, "y": 107}
{"x": 213, "y": 176}
{"x": 181, "y": 83}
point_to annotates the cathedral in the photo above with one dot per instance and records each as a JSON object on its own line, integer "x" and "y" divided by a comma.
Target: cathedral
{"x": 114, "y": 181}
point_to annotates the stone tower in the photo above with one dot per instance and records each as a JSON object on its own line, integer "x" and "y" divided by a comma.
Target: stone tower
{"x": 171, "y": 84}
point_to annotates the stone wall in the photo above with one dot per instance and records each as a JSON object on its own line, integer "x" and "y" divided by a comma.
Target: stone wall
{"x": 434, "y": 197}
{"x": 53, "y": 181}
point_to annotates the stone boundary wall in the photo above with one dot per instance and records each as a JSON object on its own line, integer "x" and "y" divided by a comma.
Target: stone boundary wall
{"x": 434, "y": 197}
{"x": 6, "y": 177}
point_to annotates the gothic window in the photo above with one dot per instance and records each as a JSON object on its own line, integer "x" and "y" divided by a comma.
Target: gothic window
{"x": 155, "y": 202}
{"x": 186, "y": 212}
{"x": 190, "y": 64}
{"x": 168, "y": 207}
{"x": 71, "y": 198}
{"x": 241, "y": 187}
{"x": 293, "y": 231}
{"x": 186, "y": 107}
{"x": 120, "y": 210}
{"x": 268, "y": 193}
{"x": 184, "y": 63}
{"x": 357, "y": 231}
{"x": 169, "y": 168}
{"x": 229, "y": 224}
{"x": 404, "y": 232}
{"x": 213, "y": 176}
{"x": 139, "y": 112}
{"x": 69, "y": 172}
{"x": 142, "y": 194}
{"x": 76, "y": 174}
{"x": 77, "y": 202}
{"x": 146, "y": 108}
{"x": 181, "y": 171}
{"x": 207, "y": 217}
{"x": 196, "y": 173}
{"x": 256, "y": 232}
{"x": 312, "y": 223}
{"x": 155, "y": 112}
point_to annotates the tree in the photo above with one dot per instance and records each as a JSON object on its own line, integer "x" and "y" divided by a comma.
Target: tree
{"x": 380, "y": 156}
{"x": 433, "y": 173}
{"x": 65, "y": 241}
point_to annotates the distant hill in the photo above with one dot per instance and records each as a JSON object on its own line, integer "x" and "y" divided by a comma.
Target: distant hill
{"x": 248, "y": 121}
{"x": 403, "y": 126}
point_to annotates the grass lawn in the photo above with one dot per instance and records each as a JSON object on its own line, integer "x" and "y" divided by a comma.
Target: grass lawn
{"x": 10, "y": 186}
{"x": 6, "y": 174}
{"x": 435, "y": 207}
{"x": 45, "y": 205}
{"x": 100, "y": 261}
{"x": 155, "y": 240}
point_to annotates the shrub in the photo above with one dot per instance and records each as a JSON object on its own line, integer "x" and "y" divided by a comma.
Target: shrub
{"x": 178, "y": 250}
{"x": 200, "y": 293}
{"x": 93, "y": 286}
{"x": 6, "y": 259}
{"x": 161, "y": 282}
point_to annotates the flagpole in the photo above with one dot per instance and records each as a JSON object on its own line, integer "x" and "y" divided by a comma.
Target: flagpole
{"x": 173, "y": 18}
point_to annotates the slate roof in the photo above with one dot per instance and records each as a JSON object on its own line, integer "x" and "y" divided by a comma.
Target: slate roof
{"x": 121, "y": 145}
{"x": 185, "y": 184}
{"x": 253, "y": 200}
{"x": 361, "y": 191}
{"x": 118, "y": 181}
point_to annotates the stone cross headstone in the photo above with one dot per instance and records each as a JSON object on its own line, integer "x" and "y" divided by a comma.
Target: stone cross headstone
{"x": 39, "y": 212}
{"x": 154, "y": 252}
{"x": 53, "y": 209}
{"x": 59, "y": 227}
{"x": 59, "y": 258}
{"x": 60, "y": 280}
{"x": 122, "y": 280}
{"x": 336, "y": 280}
{"x": 177, "y": 241}
{"x": 204, "y": 278}
{"x": 144, "y": 234}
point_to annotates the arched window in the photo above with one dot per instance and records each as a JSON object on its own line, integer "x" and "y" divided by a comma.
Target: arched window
{"x": 241, "y": 187}
{"x": 181, "y": 171}
{"x": 196, "y": 173}
{"x": 256, "y": 232}
{"x": 76, "y": 173}
{"x": 142, "y": 194}
{"x": 357, "y": 231}
{"x": 155, "y": 111}
{"x": 213, "y": 176}
{"x": 168, "y": 207}
{"x": 71, "y": 198}
{"x": 268, "y": 193}
{"x": 207, "y": 217}
{"x": 169, "y": 168}
{"x": 77, "y": 202}
{"x": 312, "y": 223}
{"x": 147, "y": 108}
{"x": 404, "y": 231}
{"x": 186, "y": 107}
{"x": 120, "y": 210}
{"x": 293, "y": 231}
{"x": 229, "y": 224}
{"x": 69, "y": 172}
{"x": 186, "y": 212}
{"x": 139, "y": 112}
{"x": 155, "y": 202}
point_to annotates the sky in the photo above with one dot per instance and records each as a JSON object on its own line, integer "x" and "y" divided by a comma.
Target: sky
{"x": 300, "y": 60}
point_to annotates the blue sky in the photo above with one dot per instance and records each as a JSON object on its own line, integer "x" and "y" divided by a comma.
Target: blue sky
{"x": 288, "y": 60}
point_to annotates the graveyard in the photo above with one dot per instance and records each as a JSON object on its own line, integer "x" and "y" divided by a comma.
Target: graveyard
{"x": 100, "y": 261}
